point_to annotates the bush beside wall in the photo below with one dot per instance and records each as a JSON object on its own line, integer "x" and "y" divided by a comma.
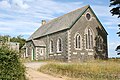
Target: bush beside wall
{"x": 10, "y": 66}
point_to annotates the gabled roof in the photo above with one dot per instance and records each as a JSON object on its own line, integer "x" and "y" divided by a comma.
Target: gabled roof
{"x": 24, "y": 46}
{"x": 38, "y": 43}
{"x": 58, "y": 24}
{"x": 61, "y": 23}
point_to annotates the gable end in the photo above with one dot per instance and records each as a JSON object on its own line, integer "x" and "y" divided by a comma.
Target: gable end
{"x": 95, "y": 17}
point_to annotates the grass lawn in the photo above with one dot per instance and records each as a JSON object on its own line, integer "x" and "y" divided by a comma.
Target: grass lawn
{"x": 96, "y": 70}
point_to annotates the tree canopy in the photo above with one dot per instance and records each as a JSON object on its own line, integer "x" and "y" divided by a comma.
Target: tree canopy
{"x": 116, "y": 11}
{"x": 19, "y": 39}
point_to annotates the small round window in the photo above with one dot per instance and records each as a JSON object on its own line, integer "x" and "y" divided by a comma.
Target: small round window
{"x": 88, "y": 16}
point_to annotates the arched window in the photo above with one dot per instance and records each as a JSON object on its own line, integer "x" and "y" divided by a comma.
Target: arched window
{"x": 59, "y": 45}
{"x": 51, "y": 46}
{"x": 88, "y": 38}
{"x": 88, "y": 16}
{"x": 77, "y": 41}
{"x": 99, "y": 43}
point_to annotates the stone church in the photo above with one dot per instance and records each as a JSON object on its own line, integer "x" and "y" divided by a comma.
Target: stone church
{"x": 75, "y": 36}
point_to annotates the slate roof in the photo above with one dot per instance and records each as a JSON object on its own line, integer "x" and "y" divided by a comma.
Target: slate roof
{"x": 38, "y": 43}
{"x": 58, "y": 24}
{"x": 61, "y": 23}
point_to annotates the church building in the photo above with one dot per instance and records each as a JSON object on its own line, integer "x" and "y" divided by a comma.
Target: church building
{"x": 75, "y": 36}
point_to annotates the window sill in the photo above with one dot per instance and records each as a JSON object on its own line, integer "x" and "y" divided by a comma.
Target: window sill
{"x": 59, "y": 51}
{"x": 100, "y": 50}
{"x": 89, "y": 49}
{"x": 41, "y": 54}
{"x": 51, "y": 53}
{"x": 78, "y": 49}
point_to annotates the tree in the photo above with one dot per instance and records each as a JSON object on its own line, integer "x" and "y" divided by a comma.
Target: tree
{"x": 119, "y": 31}
{"x": 4, "y": 38}
{"x": 118, "y": 50}
{"x": 116, "y": 11}
{"x": 19, "y": 39}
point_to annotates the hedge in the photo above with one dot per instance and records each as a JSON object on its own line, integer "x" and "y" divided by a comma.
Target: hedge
{"x": 10, "y": 66}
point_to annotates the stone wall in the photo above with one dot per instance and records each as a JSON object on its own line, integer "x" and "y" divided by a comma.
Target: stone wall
{"x": 69, "y": 53}
{"x": 63, "y": 56}
{"x": 79, "y": 27}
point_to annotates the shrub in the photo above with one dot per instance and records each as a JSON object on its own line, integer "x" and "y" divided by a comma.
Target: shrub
{"x": 10, "y": 66}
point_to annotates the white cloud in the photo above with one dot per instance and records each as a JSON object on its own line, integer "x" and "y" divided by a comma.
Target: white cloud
{"x": 48, "y": 11}
{"x": 21, "y": 27}
{"x": 39, "y": 8}
{"x": 5, "y": 4}
{"x": 29, "y": 13}
{"x": 20, "y": 3}
{"x": 106, "y": 18}
{"x": 3, "y": 29}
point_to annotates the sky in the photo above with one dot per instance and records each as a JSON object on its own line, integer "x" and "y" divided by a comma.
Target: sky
{"x": 23, "y": 17}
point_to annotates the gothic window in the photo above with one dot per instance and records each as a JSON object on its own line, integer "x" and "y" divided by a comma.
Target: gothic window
{"x": 99, "y": 43}
{"x": 88, "y": 38}
{"x": 88, "y": 16}
{"x": 77, "y": 41}
{"x": 59, "y": 45}
{"x": 51, "y": 46}
{"x": 92, "y": 41}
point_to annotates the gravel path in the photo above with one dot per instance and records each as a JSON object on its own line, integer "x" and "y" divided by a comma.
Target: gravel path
{"x": 34, "y": 65}
{"x": 33, "y": 74}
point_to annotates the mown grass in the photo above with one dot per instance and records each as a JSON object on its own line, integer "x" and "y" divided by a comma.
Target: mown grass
{"x": 96, "y": 70}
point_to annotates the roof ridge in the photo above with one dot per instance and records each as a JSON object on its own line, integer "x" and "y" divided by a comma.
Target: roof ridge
{"x": 68, "y": 13}
{"x": 59, "y": 22}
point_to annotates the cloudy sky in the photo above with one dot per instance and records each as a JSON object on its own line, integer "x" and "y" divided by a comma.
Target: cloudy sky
{"x": 23, "y": 17}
